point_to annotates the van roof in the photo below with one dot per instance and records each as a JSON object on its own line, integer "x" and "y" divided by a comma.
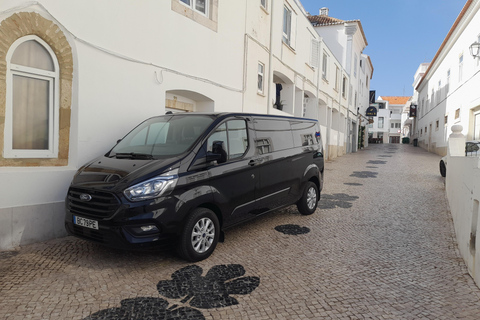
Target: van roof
{"x": 229, "y": 114}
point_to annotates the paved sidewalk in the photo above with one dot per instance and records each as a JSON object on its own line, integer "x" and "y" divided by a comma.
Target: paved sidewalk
{"x": 380, "y": 246}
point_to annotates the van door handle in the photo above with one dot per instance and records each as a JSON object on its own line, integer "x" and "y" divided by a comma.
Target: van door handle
{"x": 254, "y": 162}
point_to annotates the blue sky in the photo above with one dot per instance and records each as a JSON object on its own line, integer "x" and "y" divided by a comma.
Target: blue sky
{"x": 401, "y": 34}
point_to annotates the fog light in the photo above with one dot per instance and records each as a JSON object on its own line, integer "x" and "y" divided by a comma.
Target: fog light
{"x": 149, "y": 228}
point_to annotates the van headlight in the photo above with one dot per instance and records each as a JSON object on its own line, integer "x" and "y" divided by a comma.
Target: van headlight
{"x": 152, "y": 188}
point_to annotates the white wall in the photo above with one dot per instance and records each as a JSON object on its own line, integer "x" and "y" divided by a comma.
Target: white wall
{"x": 463, "y": 194}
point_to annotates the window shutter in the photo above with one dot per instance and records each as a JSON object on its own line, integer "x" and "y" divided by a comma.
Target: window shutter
{"x": 315, "y": 54}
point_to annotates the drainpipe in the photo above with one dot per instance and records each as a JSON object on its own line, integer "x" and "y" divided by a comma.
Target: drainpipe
{"x": 270, "y": 59}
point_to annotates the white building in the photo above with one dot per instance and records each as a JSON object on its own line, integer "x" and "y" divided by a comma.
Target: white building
{"x": 448, "y": 92}
{"x": 408, "y": 118}
{"x": 387, "y": 125}
{"x": 95, "y": 70}
{"x": 345, "y": 41}
{"x": 366, "y": 74}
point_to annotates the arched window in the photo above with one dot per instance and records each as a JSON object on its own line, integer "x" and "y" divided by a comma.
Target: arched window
{"x": 31, "y": 117}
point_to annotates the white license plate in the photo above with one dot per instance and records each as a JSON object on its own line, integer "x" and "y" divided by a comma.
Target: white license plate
{"x": 87, "y": 223}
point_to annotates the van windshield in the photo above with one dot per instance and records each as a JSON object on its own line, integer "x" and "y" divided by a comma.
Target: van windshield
{"x": 162, "y": 137}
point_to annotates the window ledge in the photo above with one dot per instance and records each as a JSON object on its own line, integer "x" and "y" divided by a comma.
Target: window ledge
{"x": 264, "y": 10}
{"x": 288, "y": 46}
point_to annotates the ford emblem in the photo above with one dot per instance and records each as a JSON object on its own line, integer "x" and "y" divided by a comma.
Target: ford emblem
{"x": 85, "y": 197}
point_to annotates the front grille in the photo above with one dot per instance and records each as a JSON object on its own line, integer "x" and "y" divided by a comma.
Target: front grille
{"x": 102, "y": 204}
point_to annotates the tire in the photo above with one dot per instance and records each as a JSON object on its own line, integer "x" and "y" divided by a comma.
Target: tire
{"x": 199, "y": 236}
{"x": 443, "y": 169}
{"x": 309, "y": 201}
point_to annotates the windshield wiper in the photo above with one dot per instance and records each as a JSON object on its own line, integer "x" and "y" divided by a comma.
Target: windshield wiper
{"x": 133, "y": 155}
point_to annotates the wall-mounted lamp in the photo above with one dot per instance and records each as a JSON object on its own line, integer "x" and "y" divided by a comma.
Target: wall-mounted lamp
{"x": 475, "y": 49}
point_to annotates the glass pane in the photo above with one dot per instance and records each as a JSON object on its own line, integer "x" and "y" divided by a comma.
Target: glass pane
{"x": 217, "y": 143}
{"x": 237, "y": 138}
{"x": 200, "y": 5}
{"x": 163, "y": 137}
{"x": 277, "y": 132}
{"x": 33, "y": 54}
{"x": 186, "y": 1}
{"x": 30, "y": 113}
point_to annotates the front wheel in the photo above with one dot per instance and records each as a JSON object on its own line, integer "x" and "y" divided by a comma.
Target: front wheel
{"x": 309, "y": 201}
{"x": 199, "y": 236}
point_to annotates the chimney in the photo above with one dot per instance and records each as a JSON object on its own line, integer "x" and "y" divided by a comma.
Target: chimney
{"x": 324, "y": 11}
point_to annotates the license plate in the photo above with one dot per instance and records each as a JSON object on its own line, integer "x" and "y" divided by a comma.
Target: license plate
{"x": 87, "y": 223}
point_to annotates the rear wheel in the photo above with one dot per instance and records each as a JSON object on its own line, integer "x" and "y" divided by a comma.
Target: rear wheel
{"x": 200, "y": 235}
{"x": 443, "y": 169}
{"x": 309, "y": 201}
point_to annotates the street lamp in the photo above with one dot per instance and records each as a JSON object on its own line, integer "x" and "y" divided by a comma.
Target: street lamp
{"x": 475, "y": 49}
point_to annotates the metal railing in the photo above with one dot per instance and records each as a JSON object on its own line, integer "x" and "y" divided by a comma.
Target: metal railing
{"x": 472, "y": 149}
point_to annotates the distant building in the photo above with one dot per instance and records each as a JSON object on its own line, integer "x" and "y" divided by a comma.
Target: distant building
{"x": 387, "y": 125}
{"x": 410, "y": 109}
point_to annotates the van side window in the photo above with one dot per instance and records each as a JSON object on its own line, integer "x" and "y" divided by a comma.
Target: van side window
{"x": 234, "y": 136}
{"x": 303, "y": 133}
{"x": 272, "y": 135}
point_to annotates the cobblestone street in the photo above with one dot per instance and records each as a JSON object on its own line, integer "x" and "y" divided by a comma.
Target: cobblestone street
{"x": 380, "y": 246}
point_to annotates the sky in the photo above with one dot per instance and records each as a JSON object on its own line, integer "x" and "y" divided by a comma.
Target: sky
{"x": 401, "y": 34}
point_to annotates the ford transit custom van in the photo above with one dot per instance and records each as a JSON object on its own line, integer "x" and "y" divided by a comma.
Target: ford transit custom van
{"x": 182, "y": 179}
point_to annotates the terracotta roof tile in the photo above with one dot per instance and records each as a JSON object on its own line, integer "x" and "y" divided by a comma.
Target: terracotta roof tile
{"x": 395, "y": 100}
{"x": 324, "y": 20}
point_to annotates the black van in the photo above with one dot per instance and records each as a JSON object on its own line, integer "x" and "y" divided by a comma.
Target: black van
{"x": 183, "y": 178}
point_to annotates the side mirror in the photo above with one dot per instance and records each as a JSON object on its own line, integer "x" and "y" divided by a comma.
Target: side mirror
{"x": 217, "y": 148}
{"x": 213, "y": 157}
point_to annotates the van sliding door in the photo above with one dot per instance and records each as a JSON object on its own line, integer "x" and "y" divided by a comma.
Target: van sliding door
{"x": 274, "y": 144}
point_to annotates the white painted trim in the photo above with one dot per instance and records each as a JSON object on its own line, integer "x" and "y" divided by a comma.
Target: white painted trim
{"x": 54, "y": 87}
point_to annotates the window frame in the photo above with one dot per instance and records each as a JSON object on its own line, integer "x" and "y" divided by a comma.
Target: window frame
{"x": 261, "y": 75}
{"x": 192, "y": 6}
{"x": 460, "y": 67}
{"x": 287, "y": 24}
{"x": 263, "y": 4}
{"x": 53, "y": 98}
{"x": 381, "y": 122}
{"x": 324, "y": 66}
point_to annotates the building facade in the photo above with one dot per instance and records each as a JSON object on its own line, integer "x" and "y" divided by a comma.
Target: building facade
{"x": 71, "y": 86}
{"x": 345, "y": 41}
{"x": 448, "y": 91}
{"x": 386, "y": 126}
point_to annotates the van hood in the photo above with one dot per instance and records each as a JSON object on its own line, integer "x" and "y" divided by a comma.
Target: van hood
{"x": 107, "y": 173}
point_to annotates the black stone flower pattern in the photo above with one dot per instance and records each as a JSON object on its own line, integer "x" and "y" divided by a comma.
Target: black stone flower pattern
{"x": 332, "y": 201}
{"x": 364, "y": 174}
{"x": 292, "y": 229}
{"x": 210, "y": 291}
{"x": 384, "y": 156}
{"x": 377, "y": 162}
{"x": 146, "y": 308}
{"x": 353, "y": 184}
